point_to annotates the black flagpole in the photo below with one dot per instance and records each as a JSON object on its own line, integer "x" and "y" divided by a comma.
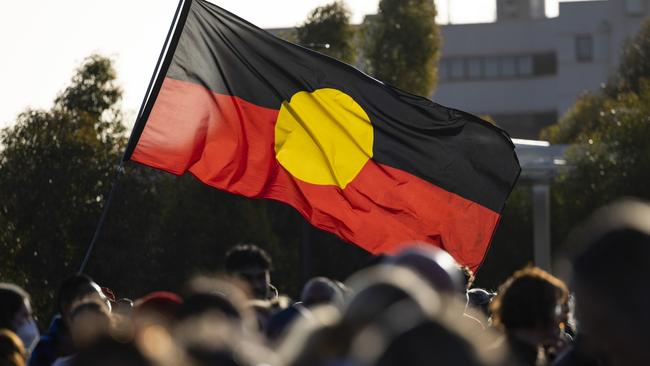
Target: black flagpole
{"x": 120, "y": 168}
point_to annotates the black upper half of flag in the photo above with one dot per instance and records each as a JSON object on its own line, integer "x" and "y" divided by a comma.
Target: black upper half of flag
{"x": 452, "y": 149}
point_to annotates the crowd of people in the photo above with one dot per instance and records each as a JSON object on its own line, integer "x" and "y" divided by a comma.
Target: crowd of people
{"x": 417, "y": 307}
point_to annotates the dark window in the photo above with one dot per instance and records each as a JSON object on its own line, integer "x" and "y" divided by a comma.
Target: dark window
{"x": 545, "y": 64}
{"x": 497, "y": 67}
{"x": 584, "y": 47}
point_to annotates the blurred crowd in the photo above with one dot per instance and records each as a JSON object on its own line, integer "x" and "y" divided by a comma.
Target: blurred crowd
{"x": 417, "y": 307}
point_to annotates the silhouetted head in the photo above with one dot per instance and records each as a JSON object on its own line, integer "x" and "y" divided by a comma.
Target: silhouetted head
{"x": 89, "y": 321}
{"x": 108, "y": 352}
{"x": 252, "y": 265}
{"x": 16, "y": 314}
{"x": 530, "y": 302}
{"x": 434, "y": 265}
{"x": 480, "y": 299}
{"x": 610, "y": 275}
{"x": 321, "y": 290}
{"x": 205, "y": 294}
{"x": 75, "y": 289}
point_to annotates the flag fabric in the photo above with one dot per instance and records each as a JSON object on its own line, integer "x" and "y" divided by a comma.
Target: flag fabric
{"x": 248, "y": 113}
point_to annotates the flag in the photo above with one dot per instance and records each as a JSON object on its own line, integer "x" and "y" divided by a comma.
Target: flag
{"x": 251, "y": 114}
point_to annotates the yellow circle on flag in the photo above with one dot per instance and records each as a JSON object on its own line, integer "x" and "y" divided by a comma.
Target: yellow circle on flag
{"x": 323, "y": 137}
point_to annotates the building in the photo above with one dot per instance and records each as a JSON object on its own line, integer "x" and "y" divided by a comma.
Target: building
{"x": 526, "y": 70}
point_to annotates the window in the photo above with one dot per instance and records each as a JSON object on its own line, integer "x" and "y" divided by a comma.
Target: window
{"x": 475, "y": 68}
{"x": 508, "y": 66}
{"x": 466, "y": 68}
{"x": 491, "y": 67}
{"x": 634, "y": 7}
{"x": 584, "y": 47}
{"x": 545, "y": 64}
{"x": 457, "y": 68}
{"x": 525, "y": 65}
{"x": 444, "y": 70}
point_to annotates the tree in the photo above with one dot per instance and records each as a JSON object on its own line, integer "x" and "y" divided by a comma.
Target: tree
{"x": 329, "y": 25}
{"x": 635, "y": 62}
{"x": 402, "y": 45}
{"x": 55, "y": 167}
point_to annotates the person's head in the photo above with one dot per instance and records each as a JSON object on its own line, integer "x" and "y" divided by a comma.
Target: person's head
{"x": 252, "y": 265}
{"x": 157, "y": 308}
{"x": 480, "y": 299}
{"x": 530, "y": 302}
{"x": 16, "y": 314}
{"x": 12, "y": 352}
{"x": 610, "y": 276}
{"x": 89, "y": 321}
{"x": 75, "y": 289}
{"x": 208, "y": 340}
{"x": 205, "y": 294}
{"x": 434, "y": 265}
{"x": 107, "y": 351}
{"x": 321, "y": 290}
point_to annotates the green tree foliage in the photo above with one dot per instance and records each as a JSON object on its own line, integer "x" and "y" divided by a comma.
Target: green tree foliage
{"x": 609, "y": 160}
{"x": 402, "y": 45}
{"x": 635, "y": 63}
{"x": 55, "y": 167}
{"x": 329, "y": 25}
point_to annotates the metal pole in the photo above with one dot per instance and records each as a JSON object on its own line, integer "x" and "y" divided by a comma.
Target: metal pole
{"x": 542, "y": 225}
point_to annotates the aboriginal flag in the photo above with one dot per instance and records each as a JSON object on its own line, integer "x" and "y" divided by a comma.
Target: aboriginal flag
{"x": 251, "y": 114}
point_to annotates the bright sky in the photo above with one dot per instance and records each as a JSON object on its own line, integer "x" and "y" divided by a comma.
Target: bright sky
{"x": 44, "y": 40}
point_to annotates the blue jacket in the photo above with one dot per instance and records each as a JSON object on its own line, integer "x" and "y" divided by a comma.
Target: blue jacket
{"x": 53, "y": 344}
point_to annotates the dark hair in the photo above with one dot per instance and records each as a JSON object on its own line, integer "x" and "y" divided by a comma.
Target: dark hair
{"x": 247, "y": 255}
{"x": 70, "y": 289}
{"x": 528, "y": 299}
{"x": 12, "y": 298}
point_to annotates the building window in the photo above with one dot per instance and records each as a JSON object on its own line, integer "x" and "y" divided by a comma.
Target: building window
{"x": 584, "y": 47}
{"x": 491, "y": 67}
{"x": 545, "y": 64}
{"x": 634, "y": 7}
{"x": 475, "y": 68}
{"x": 508, "y": 66}
{"x": 457, "y": 68}
{"x": 525, "y": 65}
{"x": 497, "y": 67}
{"x": 444, "y": 70}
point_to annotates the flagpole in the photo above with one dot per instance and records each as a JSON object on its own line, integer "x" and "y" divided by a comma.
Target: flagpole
{"x": 154, "y": 77}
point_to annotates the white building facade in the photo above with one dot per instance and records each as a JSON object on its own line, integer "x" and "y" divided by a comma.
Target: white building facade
{"x": 526, "y": 70}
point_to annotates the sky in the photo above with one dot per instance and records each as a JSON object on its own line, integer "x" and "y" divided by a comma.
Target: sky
{"x": 43, "y": 41}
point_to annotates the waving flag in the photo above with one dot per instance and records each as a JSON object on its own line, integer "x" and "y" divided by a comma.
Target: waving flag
{"x": 251, "y": 114}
